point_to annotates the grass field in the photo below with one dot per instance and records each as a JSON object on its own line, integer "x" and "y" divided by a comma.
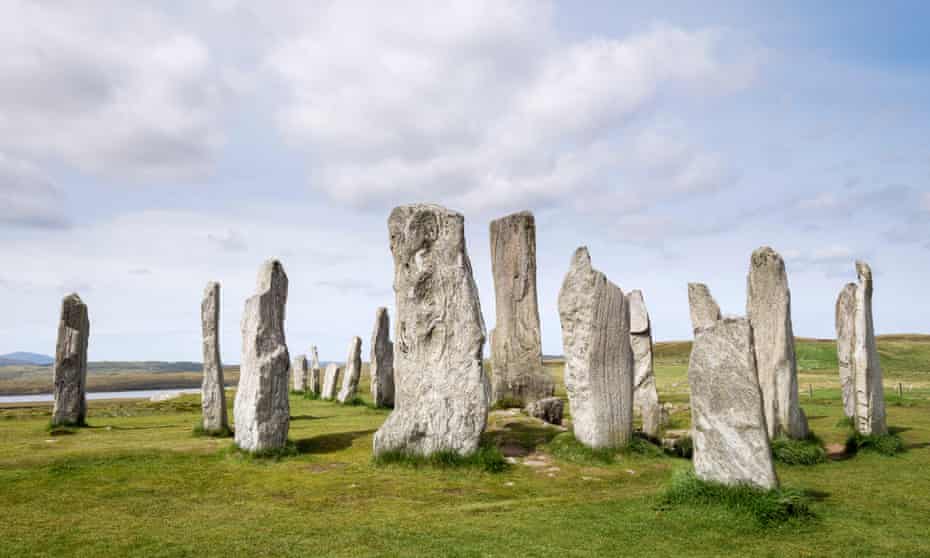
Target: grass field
{"x": 138, "y": 483}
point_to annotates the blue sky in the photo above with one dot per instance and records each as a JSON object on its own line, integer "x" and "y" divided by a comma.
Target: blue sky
{"x": 195, "y": 140}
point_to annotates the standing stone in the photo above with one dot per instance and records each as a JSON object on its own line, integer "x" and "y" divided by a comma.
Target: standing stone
{"x": 516, "y": 348}
{"x": 262, "y": 409}
{"x": 70, "y": 371}
{"x": 212, "y": 394}
{"x": 381, "y": 361}
{"x": 645, "y": 395}
{"x": 598, "y": 355}
{"x": 867, "y": 370}
{"x": 331, "y": 381}
{"x": 845, "y": 339}
{"x": 768, "y": 308}
{"x": 353, "y": 371}
{"x": 442, "y": 394}
{"x": 315, "y": 373}
{"x": 731, "y": 444}
{"x": 301, "y": 373}
{"x": 704, "y": 309}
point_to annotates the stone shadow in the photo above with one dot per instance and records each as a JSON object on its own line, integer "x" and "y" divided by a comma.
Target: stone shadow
{"x": 329, "y": 443}
{"x": 309, "y": 417}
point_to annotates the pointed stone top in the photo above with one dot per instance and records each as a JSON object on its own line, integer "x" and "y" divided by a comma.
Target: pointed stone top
{"x": 766, "y": 256}
{"x": 863, "y": 271}
{"x": 380, "y": 311}
{"x": 211, "y": 286}
{"x": 581, "y": 257}
{"x": 71, "y": 299}
{"x": 704, "y": 309}
{"x": 639, "y": 317}
{"x": 270, "y": 275}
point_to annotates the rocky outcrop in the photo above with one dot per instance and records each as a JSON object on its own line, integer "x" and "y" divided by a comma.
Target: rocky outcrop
{"x": 645, "y": 395}
{"x": 262, "y": 409}
{"x": 381, "y": 361}
{"x": 70, "y": 368}
{"x": 442, "y": 394}
{"x": 353, "y": 372}
{"x": 768, "y": 308}
{"x": 598, "y": 355}
{"x": 518, "y": 375}
{"x": 213, "y": 396}
{"x": 731, "y": 443}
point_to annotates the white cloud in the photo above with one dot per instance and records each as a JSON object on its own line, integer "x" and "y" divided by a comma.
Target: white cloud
{"x": 480, "y": 105}
{"x": 27, "y": 197}
{"x": 925, "y": 202}
{"x": 116, "y": 90}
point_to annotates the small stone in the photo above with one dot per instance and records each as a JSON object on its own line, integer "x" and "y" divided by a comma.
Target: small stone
{"x": 353, "y": 372}
{"x": 548, "y": 410}
{"x": 300, "y": 373}
{"x": 315, "y": 381}
{"x": 645, "y": 394}
{"x": 442, "y": 394}
{"x": 70, "y": 369}
{"x": 598, "y": 355}
{"x": 381, "y": 361}
{"x": 262, "y": 408}
{"x": 212, "y": 394}
{"x": 331, "y": 381}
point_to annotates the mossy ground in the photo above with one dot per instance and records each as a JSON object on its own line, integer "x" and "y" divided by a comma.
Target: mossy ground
{"x": 137, "y": 483}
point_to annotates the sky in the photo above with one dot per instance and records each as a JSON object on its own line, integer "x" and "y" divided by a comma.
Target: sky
{"x": 147, "y": 148}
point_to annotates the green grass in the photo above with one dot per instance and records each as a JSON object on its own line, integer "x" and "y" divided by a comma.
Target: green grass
{"x": 798, "y": 452}
{"x": 486, "y": 458}
{"x": 565, "y": 446}
{"x": 224, "y": 432}
{"x": 767, "y": 508}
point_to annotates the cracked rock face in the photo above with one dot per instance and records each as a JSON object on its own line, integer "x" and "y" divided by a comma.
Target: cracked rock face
{"x": 331, "y": 381}
{"x": 353, "y": 371}
{"x": 516, "y": 347}
{"x": 315, "y": 379}
{"x": 213, "y": 398}
{"x": 731, "y": 444}
{"x": 845, "y": 340}
{"x": 598, "y": 355}
{"x": 768, "y": 308}
{"x": 300, "y": 372}
{"x": 442, "y": 394}
{"x": 867, "y": 370}
{"x": 381, "y": 361}
{"x": 645, "y": 394}
{"x": 70, "y": 369}
{"x": 262, "y": 409}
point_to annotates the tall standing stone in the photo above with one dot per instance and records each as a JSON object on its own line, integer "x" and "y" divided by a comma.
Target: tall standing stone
{"x": 598, "y": 355}
{"x": 353, "y": 371}
{"x": 442, "y": 394}
{"x": 212, "y": 391}
{"x": 516, "y": 347}
{"x": 262, "y": 409}
{"x": 645, "y": 395}
{"x": 301, "y": 373}
{"x": 70, "y": 371}
{"x": 315, "y": 381}
{"x": 381, "y": 361}
{"x": 768, "y": 308}
{"x": 331, "y": 381}
{"x": 867, "y": 370}
{"x": 704, "y": 309}
{"x": 731, "y": 443}
{"x": 845, "y": 340}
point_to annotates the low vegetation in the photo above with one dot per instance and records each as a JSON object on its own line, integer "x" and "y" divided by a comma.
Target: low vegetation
{"x": 884, "y": 444}
{"x": 798, "y": 452}
{"x": 487, "y": 458}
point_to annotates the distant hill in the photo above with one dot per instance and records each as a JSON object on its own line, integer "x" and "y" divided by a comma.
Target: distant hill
{"x": 22, "y": 358}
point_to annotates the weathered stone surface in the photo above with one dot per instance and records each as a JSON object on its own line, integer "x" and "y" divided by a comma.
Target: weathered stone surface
{"x": 845, "y": 339}
{"x": 213, "y": 398}
{"x": 353, "y": 371}
{"x": 704, "y": 309}
{"x": 331, "y": 381}
{"x": 442, "y": 394}
{"x": 381, "y": 361}
{"x": 262, "y": 409}
{"x": 768, "y": 308}
{"x": 867, "y": 371}
{"x": 300, "y": 372}
{"x": 598, "y": 355}
{"x": 645, "y": 395}
{"x": 731, "y": 445}
{"x": 516, "y": 348}
{"x": 548, "y": 409}
{"x": 70, "y": 369}
{"x": 315, "y": 380}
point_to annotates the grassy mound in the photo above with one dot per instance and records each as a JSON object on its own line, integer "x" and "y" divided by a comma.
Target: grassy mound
{"x": 224, "y": 432}
{"x": 884, "y": 444}
{"x": 289, "y": 450}
{"x": 798, "y": 452}
{"x": 487, "y": 458}
{"x": 565, "y": 446}
{"x": 766, "y": 507}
